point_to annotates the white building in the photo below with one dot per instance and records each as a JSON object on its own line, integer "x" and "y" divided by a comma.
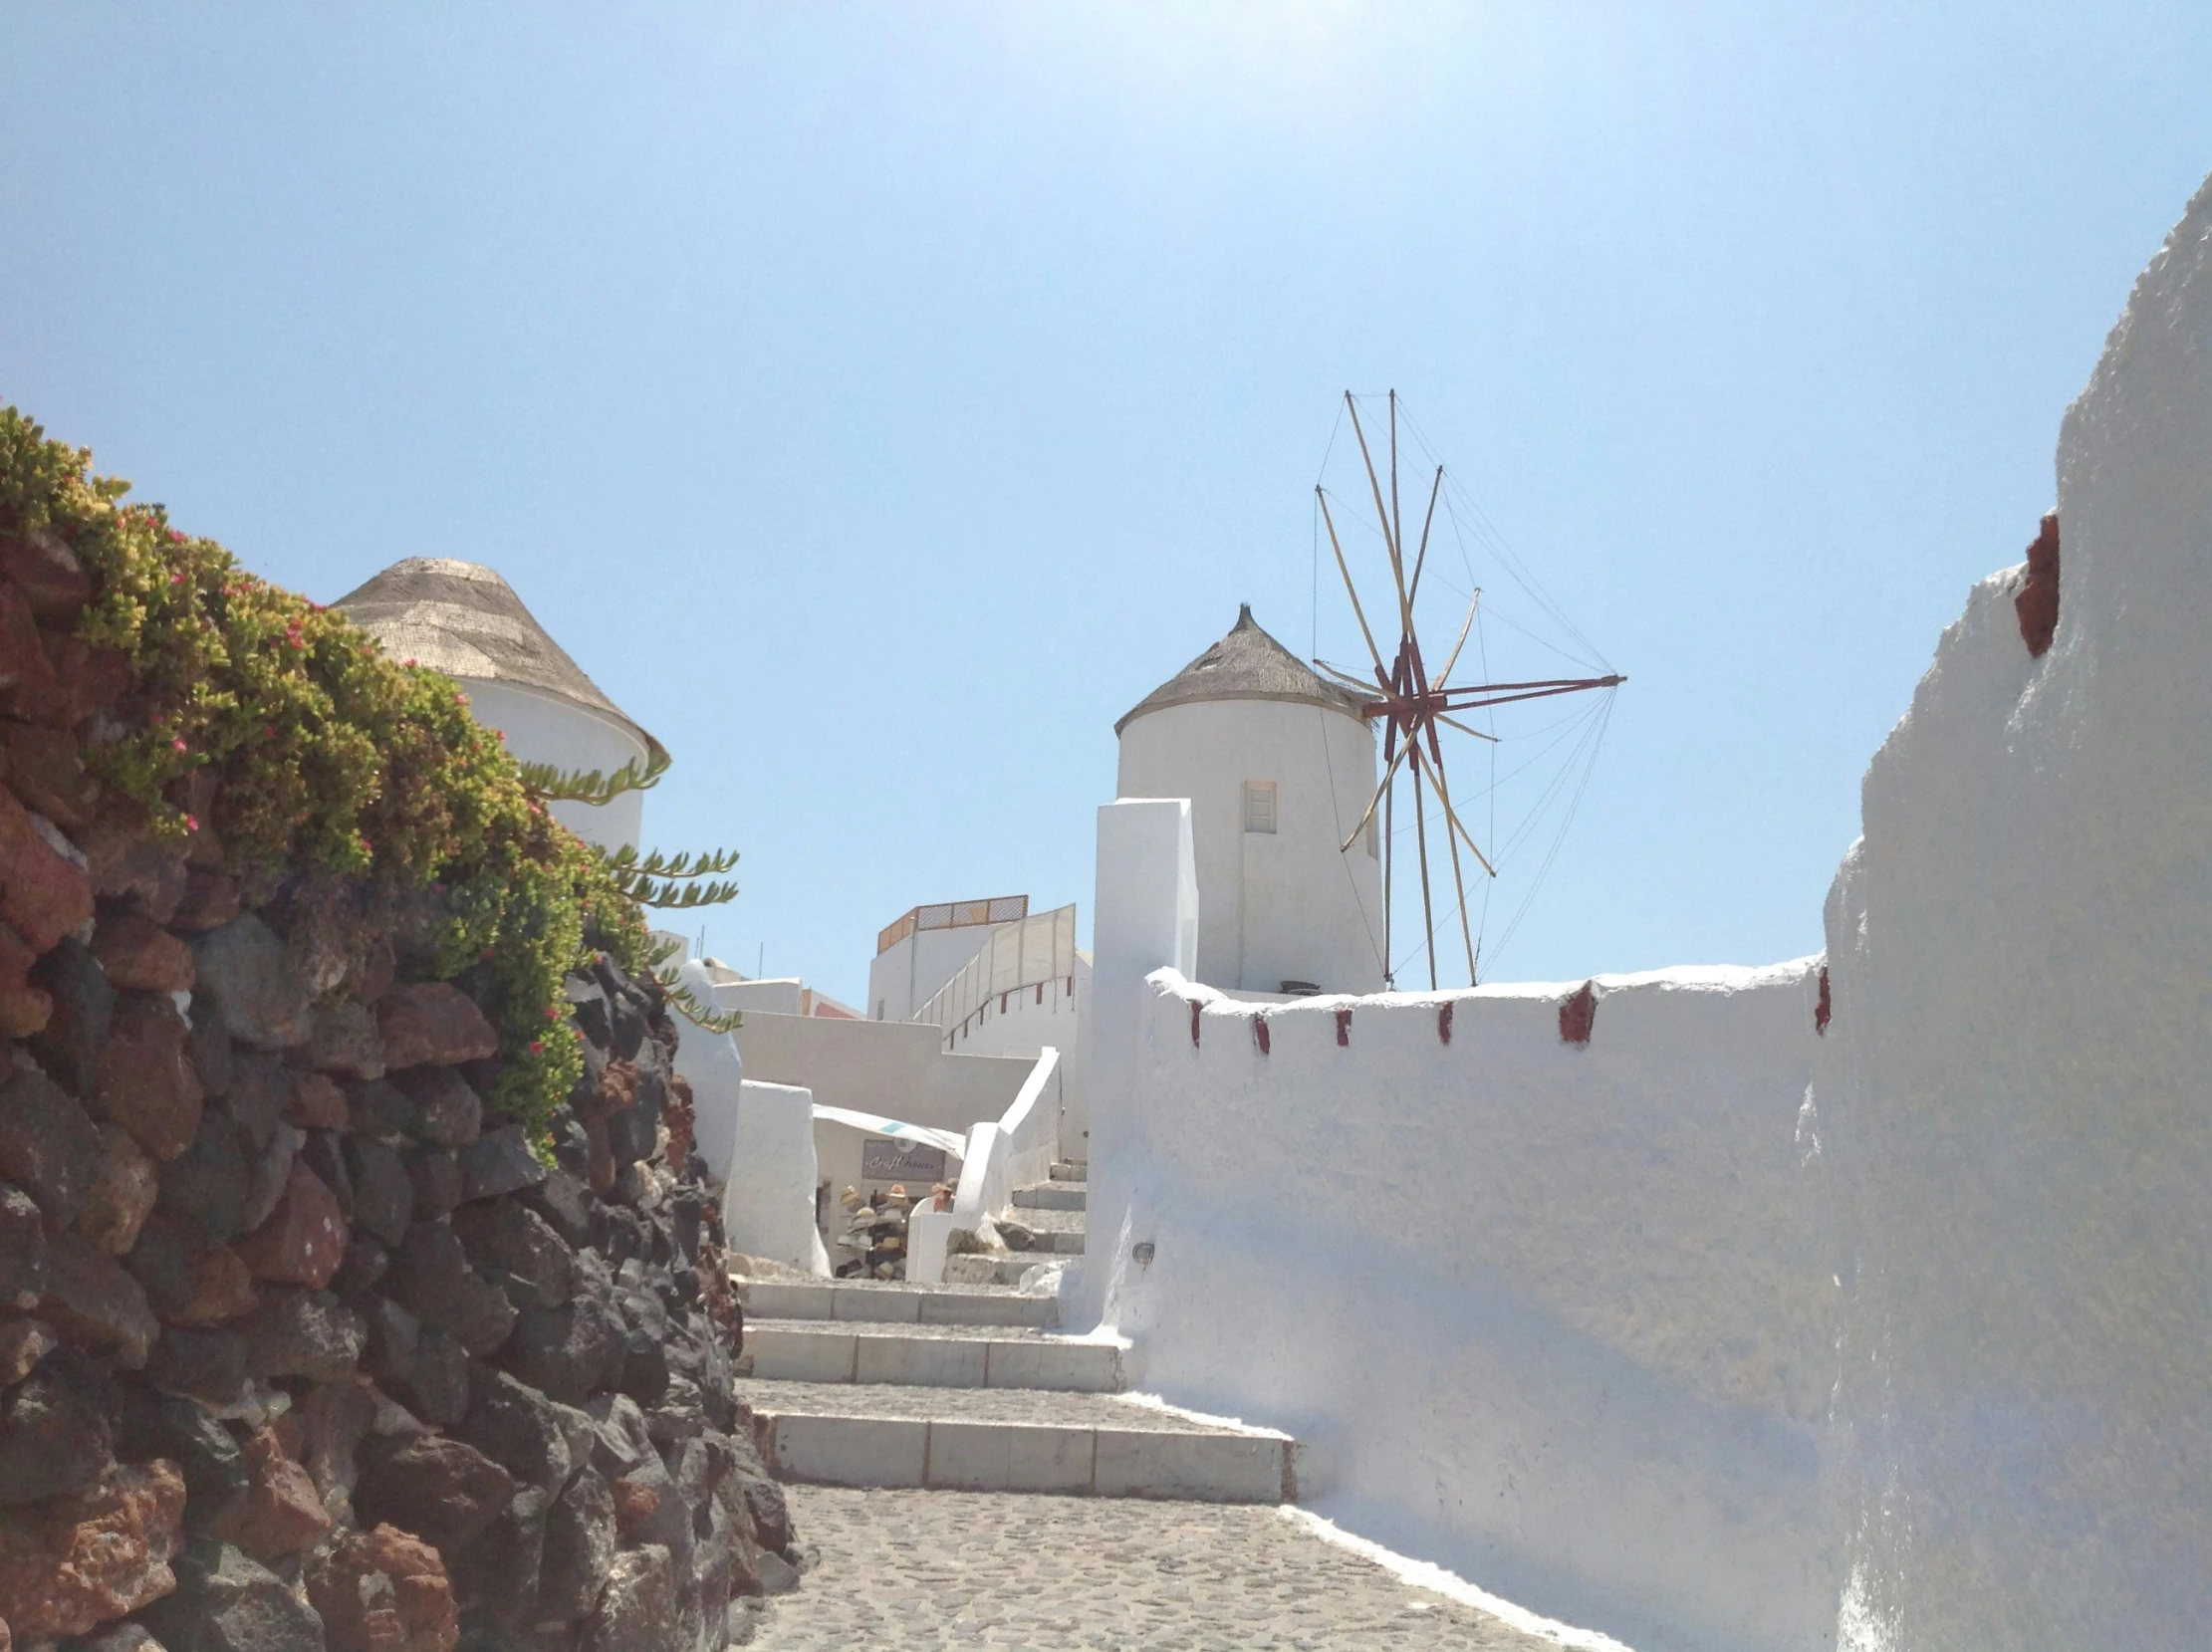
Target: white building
{"x": 922, "y": 948}
{"x": 465, "y": 621}
{"x": 1278, "y": 765}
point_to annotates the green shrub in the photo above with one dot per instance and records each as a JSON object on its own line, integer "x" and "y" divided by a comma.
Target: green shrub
{"x": 327, "y": 757}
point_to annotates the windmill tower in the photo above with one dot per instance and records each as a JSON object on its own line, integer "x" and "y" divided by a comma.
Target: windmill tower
{"x": 462, "y": 619}
{"x": 1278, "y": 764}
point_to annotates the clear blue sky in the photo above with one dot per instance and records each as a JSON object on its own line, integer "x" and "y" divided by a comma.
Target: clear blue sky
{"x": 878, "y": 400}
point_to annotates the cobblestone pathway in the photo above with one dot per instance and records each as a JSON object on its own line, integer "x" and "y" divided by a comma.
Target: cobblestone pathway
{"x": 918, "y": 1570}
{"x": 991, "y": 1556}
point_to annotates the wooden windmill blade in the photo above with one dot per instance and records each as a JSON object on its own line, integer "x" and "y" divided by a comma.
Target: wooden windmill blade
{"x": 1413, "y": 709}
{"x": 1352, "y": 590}
{"x": 1420, "y": 828}
{"x": 1459, "y": 881}
{"x": 1420, "y": 558}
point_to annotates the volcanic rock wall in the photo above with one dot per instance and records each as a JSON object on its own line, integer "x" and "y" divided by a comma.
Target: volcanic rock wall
{"x": 301, "y": 1343}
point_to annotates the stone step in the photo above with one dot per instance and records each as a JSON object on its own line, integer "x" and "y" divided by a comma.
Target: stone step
{"x": 1051, "y": 1233}
{"x": 1002, "y": 1268}
{"x": 1012, "y": 1440}
{"x": 1051, "y": 1196}
{"x": 1071, "y": 1170}
{"x": 930, "y": 1356}
{"x": 896, "y": 1303}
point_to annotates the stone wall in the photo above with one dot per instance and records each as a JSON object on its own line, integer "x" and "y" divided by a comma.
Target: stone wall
{"x": 301, "y": 1343}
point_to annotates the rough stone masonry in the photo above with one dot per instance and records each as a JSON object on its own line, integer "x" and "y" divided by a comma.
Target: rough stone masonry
{"x": 301, "y": 1346}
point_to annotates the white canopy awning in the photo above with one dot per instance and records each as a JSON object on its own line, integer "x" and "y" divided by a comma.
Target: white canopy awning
{"x": 950, "y": 1140}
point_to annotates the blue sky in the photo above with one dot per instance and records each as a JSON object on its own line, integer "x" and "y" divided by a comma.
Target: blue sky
{"x": 878, "y": 401}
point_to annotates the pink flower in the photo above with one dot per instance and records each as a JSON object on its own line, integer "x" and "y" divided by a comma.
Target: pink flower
{"x": 176, "y": 535}
{"x": 179, "y": 745}
{"x": 552, "y": 1014}
{"x": 191, "y": 822}
{"x": 537, "y": 1046}
{"x": 178, "y": 578}
{"x": 502, "y": 733}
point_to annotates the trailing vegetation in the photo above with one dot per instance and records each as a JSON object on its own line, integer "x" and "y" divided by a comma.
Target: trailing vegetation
{"x": 319, "y": 754}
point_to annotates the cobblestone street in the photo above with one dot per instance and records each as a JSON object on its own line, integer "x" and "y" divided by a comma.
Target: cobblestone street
{"x": 903, "y": 1569}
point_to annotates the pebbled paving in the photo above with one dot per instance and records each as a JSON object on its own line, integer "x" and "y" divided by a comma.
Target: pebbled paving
{"x": 928, "y": 1569}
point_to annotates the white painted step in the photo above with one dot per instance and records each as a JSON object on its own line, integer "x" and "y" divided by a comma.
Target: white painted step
{"x": 1012, "y": 1440}
{"x": 934, "y": 1356}
{"x": 877, "y": 1302}
{"x": 1052, "y": 1196}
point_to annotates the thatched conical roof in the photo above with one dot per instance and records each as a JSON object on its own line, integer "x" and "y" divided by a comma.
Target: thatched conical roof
{"x": 462, "y": 619}
{"x": 1247, "y": 664}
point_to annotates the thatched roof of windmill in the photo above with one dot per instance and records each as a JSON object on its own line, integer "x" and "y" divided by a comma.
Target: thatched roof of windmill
{"x": 1247, "y": 664}
{"x": 462, "y": 619}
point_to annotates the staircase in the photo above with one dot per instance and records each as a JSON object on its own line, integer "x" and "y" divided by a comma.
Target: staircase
{"x": 973, "y": 1387}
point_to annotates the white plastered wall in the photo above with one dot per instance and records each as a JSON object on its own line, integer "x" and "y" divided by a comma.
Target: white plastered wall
{"x": 758, "y": 1138}
{"x": 769, "y": 1199}
{"x": 541, "y": 729}
{"x": 1273, "y": 906}
{"x": 901, "y": 978}
{"x": 1554, "y": 1315}
{"x": 896, "y": 1070}
{"x": 2013, "y": 1102}
{"x": 1918, "y": 1365}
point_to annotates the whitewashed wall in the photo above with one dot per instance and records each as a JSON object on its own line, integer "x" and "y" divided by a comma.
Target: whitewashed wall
{"x": 902, "y": 977}
{"x": 1654, "y": 1337}
{"x": 1555, "y": 1315}
{"x": 769, "y": 1198}
{"x": 2014, "y": 1101}
{"x": 541, "y": 729}
{"x": 897, "y": 1069}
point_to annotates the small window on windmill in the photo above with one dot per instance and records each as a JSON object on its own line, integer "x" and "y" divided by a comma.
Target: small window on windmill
{"x": 1370, "y": 836}
{"x": 1259, "y": 806}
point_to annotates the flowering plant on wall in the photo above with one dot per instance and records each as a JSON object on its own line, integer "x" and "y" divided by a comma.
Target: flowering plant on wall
{"x": 276, "y": 737}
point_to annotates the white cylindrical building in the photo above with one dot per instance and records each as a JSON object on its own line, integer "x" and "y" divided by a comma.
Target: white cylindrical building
{"x": 1278, "y": 764}
{"x": 465, "y": 621}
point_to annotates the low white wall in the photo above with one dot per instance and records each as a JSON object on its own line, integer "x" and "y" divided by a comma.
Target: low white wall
{"x": 1014, "y": 1150}
{"x": 1556, "y": 1316}
{"x": 893, "y": 1069}
{"x": 2012, "y": 1100}
{"x": 710, "y": 1064}
{"x": 768, "y": 1196}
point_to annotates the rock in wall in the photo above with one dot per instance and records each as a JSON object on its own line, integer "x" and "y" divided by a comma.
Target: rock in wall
{"x": 301, "y": 1344}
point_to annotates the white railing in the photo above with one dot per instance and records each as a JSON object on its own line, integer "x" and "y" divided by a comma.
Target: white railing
{"x": 1025, "y": 956}
{"x": 1017, "y": 1150}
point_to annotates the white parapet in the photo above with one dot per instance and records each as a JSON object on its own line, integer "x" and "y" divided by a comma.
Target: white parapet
{"x": 768, "y": 1199}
